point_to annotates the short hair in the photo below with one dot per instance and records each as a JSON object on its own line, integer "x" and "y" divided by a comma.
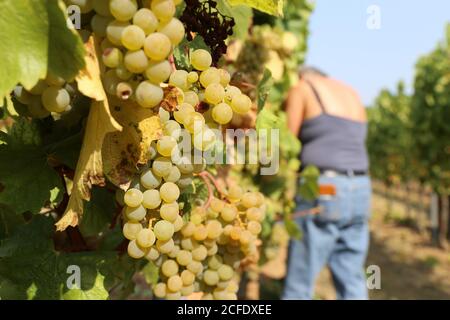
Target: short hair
{"x": 304, "y": 70}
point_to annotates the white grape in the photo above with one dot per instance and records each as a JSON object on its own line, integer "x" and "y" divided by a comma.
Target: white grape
{"x": 201, "y": 59}
{"x": 169, "y": 192}
{"x": 157, "y": 46}
{"x": 174, "y": 30}
{"x": 133, "y": 37}
{"x": 123, "y": 10}
{"x": 146, "y": 20}
{"x": 114, "y": 31}
{"x": 136, "y": 62}
{"x": 151, "y": 199}
{"x": 55, "y": 99}
{"x": 149, "y": 180}
{"x": 158, "y": 72}
{"x": 149, "y": 95}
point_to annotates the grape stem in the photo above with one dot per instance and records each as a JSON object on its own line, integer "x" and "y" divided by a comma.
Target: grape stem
{"x": 214, "y": 181}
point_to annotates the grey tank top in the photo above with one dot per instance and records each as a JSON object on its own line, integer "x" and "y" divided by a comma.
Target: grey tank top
{"x": 333, "y": 142}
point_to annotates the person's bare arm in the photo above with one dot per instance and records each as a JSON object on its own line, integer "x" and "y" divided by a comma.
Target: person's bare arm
{"x": 295, "y": 108}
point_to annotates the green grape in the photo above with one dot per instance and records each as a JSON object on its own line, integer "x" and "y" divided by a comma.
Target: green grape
{"x": 165, "y": 246}
{"x": 235, "y": 233}
{"x": 235, "y": 193}
{"x": 191, "y": 97}
{"x": 174, "y": 175}
{"x": 188, "y": 229}
{"x": 55, "y": 99}
{"x": 122, "y": 72}
{"x": 215, "y": 262}
{"x": 230, "y": 93}
{"x": 192, "y": 77}
{"x": 145, "y": 238}
{"x": 133, "y": 37}
{"x": 196, "y": 218}
{"x": 149, "y": 180}
{"x": 254, "y": 227}
{"x": 133, "y": 197}
{"x": 165, "y": 145}
{"x": 211, "y": 277}
{"x": 184, "y": 257}
{"x": 173, "y": 254}
{"x": 213, "y": 250}
{"x": 187, "y": 277}
{"x": 123, "y": 10}
{"x": 183, "y": 112}
{"x": 178, "y": 223}
{"x": 114, "y": 31}
{"x": 23, "y": 96}
{"x": 157, "y": 46}
{"x": 174, "y": 30}
{"x": 148, "y": 95}
{"x": 188, "y": 244}
{"x": 124, "y": 90}
{"x": 161, "y": 167}
{"x": 216, "y": 204}
{"x": 36, "y": 108}
{"x": 163, "y": 9}
{"x": 151, "y": 199}
{"x": 152, "y": 254}
{"x": 195, "y": 267}
{"x": 178, "y": 78}
{"x": 204, "y": 139}
{"x": 200, "y": 233}
{"x": 199, "y": 253}
{"x": 214, "y": 93}
{"x": 135, "y": 251}
{"x": 228, "y": 213}
{"x": 194, "y": 122}
{"x": 135, "y": 213}
{"x": 210, "y": 76}
{"x": 173, "y": 295}
{"x": 172, "y": 128}
{"x": 249, "y": 199}
{"x": 174, "y": 283}
{"x": 137, "y": 62}
{"x": 232, "y": 287}
{"x": 110, "y": 82}
{"x": 164, "y": 115}
{"x": 214, "y": 229}
{"x": 158, "y": 72}
{"x": 201, "y": 59}
{"x": 254, "y": 214}
{"x": 146, "y": 20}
{"x": 187, "y": 290}
{"x": 241, "y": 104}
{"x": 99, "y": 24}
{"x": 160, "y": 290}
{"x": 84, "y": 5}
{"x": 131, "y": 229}
{"x": 152, "y": 152}
{"x": 163, "y": 230}
{"x": 245, "y": 237}
{"x": 169, "y": 268}
{"x": 184, "y": 182}
{"x": 54, "y": 80}
{"x": 169, "y": 192}
{"x": 222, "y": 113}
{"x": 225, "y": 77}
{"x": 169, "y": 211}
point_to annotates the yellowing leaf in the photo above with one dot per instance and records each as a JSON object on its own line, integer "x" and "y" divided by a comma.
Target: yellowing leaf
{"x": 123, "y": 151}
{"x": 273, "y": 7}
{"x": 89, "y": 170}
{"x": 88, "y": 79}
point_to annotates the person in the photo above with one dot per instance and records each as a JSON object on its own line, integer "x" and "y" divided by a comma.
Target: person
{"x": 330, "y": 121}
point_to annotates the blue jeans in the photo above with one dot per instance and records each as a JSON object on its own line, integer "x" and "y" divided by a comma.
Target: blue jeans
{"x": 338, "y": 237}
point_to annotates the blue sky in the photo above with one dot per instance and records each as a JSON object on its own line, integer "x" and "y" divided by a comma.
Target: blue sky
{"x": 342, "y": 45}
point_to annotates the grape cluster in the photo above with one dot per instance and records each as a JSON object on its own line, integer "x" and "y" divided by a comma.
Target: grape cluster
{"x": 200, "y": 253}
{"x": 202, "y": 17}
{"x": 50, "y": 96}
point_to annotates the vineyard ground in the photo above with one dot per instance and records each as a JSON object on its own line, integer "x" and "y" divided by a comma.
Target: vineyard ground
{"x": 410, "y": 267}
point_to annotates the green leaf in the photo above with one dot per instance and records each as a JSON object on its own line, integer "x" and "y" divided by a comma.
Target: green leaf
{"x": 35, "y": 40}
{"x": 242, "y": 16}
{"x": 182, "y": 52}
{"x": 263, "y": 88}
{"x": 267, "y": 120}
{"x": 293, "y": 229}
{"x": 26, "y": 179}
{"x": 98, "y": 212}
{"x": 9, "y": 221}
{"x": 273, "y": 7}
{"x": 96, "y": 292}
{"x": 309, "y": 186}
{"x": 151, "y": 273}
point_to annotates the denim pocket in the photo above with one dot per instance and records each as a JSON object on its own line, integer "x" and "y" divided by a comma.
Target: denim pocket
{"x": 329, "y": 208}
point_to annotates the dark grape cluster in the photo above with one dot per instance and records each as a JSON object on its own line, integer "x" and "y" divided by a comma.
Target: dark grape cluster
{"x": 203, "y": 18}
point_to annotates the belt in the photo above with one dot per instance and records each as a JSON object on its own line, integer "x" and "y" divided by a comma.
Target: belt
{"x": 349, "y": 173}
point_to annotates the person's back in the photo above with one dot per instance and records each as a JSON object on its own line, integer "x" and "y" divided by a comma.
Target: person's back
{"x": 330, "y": 121}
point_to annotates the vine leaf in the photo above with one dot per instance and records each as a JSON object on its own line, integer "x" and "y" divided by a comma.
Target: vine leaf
{"x": 123, "y": 151}
{"x": 263, "y": 89}
{"x": 89, "y": 169}
{"x": 35, "y": 40}
{"x": 272, "y": 7}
